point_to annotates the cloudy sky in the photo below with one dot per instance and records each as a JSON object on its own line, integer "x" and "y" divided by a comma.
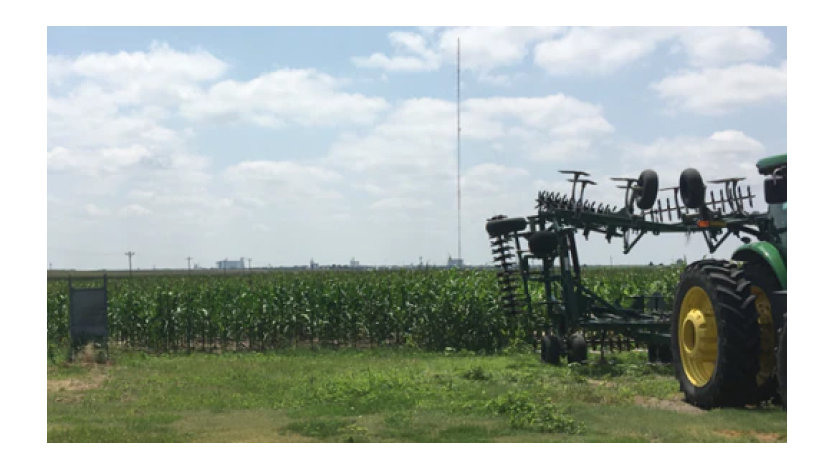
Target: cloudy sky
{"x": 286, "y": 144}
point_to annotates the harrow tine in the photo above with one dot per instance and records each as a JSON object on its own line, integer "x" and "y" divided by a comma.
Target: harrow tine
{"x": 659, "y": 211}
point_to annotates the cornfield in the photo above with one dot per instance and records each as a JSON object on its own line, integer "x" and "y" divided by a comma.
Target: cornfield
{"x": 430, "y": 309}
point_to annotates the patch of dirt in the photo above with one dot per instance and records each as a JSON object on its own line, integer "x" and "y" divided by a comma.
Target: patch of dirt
{"x": 239, "y": 426}
{"x": 671, "y": 405}
{"x": 95, "y": 379}
{"x": 601, "y": 383}
{"x": 759, "y": 436}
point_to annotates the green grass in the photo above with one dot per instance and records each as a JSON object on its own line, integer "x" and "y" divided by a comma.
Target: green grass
{"x": 384, "y": 395}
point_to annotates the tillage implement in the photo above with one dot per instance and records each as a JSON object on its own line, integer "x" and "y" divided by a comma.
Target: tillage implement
{"x": 726, "y": 333}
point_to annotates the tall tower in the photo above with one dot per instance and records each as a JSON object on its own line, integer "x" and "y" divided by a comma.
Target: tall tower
{"x": 460, "y": 259}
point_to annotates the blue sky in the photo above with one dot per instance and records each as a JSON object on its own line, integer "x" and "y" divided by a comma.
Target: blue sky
{"x": 291, "y": 143}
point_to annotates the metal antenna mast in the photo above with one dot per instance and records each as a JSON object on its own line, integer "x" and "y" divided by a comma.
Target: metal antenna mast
{"x": 189, "y": 263}
{"x": 459, "y": 256}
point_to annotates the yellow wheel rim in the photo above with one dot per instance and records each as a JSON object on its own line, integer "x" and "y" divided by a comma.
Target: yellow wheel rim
{"x": 697, "y": 336}
{"x": 767, "y": 360}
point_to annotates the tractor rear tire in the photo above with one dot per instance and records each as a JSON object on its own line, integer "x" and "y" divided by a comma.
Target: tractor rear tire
{"x": 577, "y": 348}
{"x": 763, "y": 285}
{"x": 715, "y": 335}
{"x": 782, "y": 364}
{"x": 551, "y": 349}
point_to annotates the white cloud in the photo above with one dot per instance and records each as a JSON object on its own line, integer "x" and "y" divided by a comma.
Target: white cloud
{"x": 598, "y": 50}
{"x": 401, "y": 203}
{"x": 482, "y": 49}
{"x": 160, "y": 75}
{"x": 605, "y": 50}
{"x": 557, "y": 115}
{"x": 284, "y": 96}
{"x": 406, "y": 164}
{"x": 413, "y": 55}
{"x": 160, "y": 61}
{"x": 418, "y": 137}
{"x": 100, "y": 160}
{"x": 720, "y": 90}
{"x": 723, "y": 154}
{"x": 486, "y": 48}
{"x": 280, "y": 181}
{"x": 95, "y": 211}
{"x": 134, "y": 210}
{"x": 717, "y": 46}
{"x": 413, "y": 137}
{"x": 485, "y": 179}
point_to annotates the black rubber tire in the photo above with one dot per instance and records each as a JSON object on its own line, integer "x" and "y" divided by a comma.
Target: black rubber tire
{"x": 664, "y": 354}
{"x": 648, "y": 194}
{"x": 551, "y": 349}
{"x": 504, "y": 226}
{"x": 577, "y": 348}
{"x": 733, "y": 379}
{"x": 543, "y": 244}
{"x": 660, "y": 353}
{"x": 760, "y": 275}
{"x": 653, "y": 352}
{"x": 692, "y": 188}
{"x": 782, "y": 364}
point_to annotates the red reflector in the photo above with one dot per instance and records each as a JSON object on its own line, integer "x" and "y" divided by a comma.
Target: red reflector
{"x": 703, "y": 223}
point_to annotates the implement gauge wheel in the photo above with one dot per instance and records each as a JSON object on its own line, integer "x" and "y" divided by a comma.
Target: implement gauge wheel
{"x": 503, "y": 226}
{"x": 715, "y": 335}
{"x": 551, "y": 349}
{"x": 692, "y": 188}
{"x": 577, "y": 348}
{"x": 763, "y": 284}
{"x": 646, "y": 195}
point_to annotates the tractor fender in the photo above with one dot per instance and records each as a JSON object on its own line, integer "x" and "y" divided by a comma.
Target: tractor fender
{"x": 767, "y": 253}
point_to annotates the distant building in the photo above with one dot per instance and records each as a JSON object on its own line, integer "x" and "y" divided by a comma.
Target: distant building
{"x": 455, "y": 262}
{"x": 354, "y": 263}
{"x": 231, "y": 264}
{"x": 313, "y": 264}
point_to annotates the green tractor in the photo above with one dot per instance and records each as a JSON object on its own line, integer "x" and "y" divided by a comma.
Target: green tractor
{"x": 729, "y": 334}
{"x": 726, "y": 334}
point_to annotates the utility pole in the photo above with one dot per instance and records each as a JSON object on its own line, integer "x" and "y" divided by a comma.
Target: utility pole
{"x": 250, "y": 263}
{"x": 189, "y": 263}
{"x": 130, "y": 262}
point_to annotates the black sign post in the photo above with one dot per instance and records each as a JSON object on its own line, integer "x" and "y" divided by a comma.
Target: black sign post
{"x": 88, "y": 316}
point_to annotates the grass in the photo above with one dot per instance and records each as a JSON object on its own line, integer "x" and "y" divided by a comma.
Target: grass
{"x": 384, "y": 395}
